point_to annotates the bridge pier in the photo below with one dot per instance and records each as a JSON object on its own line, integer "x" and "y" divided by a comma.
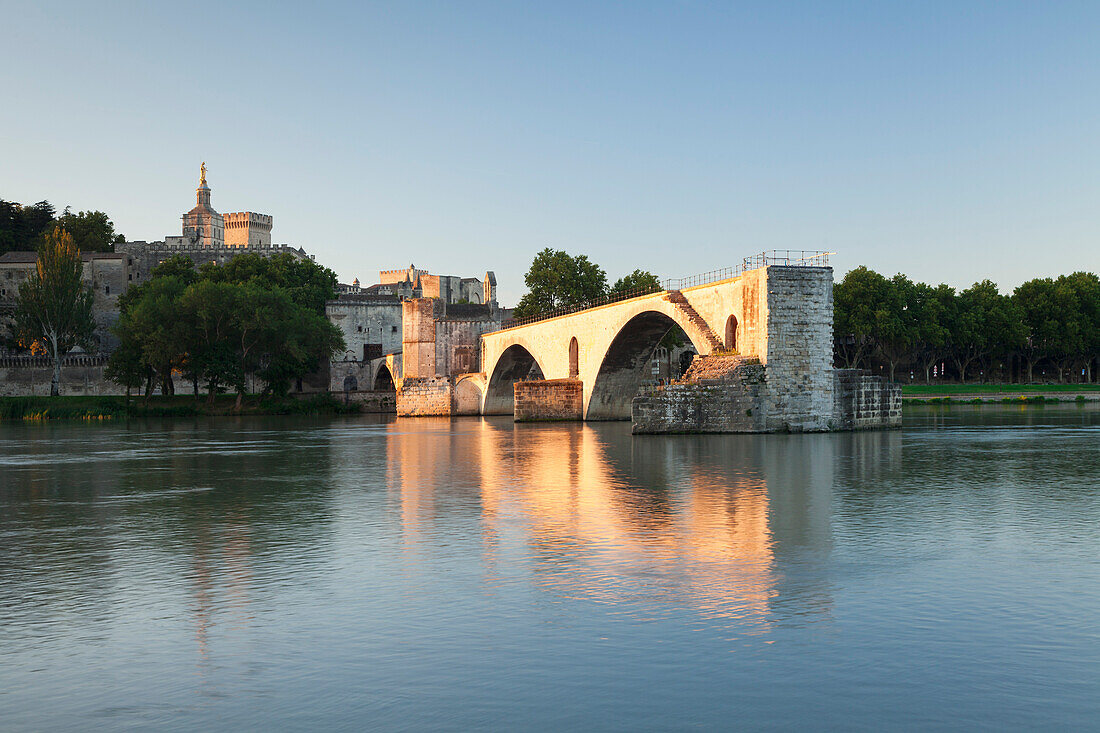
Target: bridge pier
{"x": 549, "y": 400}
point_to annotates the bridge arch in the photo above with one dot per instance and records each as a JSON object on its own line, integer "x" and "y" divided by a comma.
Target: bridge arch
{"x": 383, "y": 380}
{"x": 514, "y": 364}
{"x": 625, "y": 364}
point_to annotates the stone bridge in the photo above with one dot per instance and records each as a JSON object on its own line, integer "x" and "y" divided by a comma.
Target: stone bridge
{"x": 608, "y": 348}
{"x": 764, "y": 338}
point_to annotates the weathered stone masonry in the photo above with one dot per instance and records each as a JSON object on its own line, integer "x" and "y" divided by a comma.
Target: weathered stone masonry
{"x": 549, "y": 399}
{"x": 797, "y": 390}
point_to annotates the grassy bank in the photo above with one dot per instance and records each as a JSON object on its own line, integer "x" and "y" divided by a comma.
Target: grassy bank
{"x": 917, "y": 390}
{"x": 112, "y": 408}
{"x": 977, "y": 394}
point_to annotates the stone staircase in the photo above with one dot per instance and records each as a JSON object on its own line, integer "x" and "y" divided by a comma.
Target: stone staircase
{"x": 677, "y": 298}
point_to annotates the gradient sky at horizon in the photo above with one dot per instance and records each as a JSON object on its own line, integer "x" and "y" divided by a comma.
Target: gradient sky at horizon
{"x": 950, "y": 141}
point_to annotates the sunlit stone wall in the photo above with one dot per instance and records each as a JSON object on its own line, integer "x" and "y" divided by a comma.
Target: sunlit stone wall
{"x": 548, "y": 399}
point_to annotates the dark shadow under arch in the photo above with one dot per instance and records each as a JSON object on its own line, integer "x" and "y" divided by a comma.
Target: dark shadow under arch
{"x": 514, "y": 364}
{"x": 730, "y": 341}
{"x": 383, "y": 380}
{"x": 626, "y": 366}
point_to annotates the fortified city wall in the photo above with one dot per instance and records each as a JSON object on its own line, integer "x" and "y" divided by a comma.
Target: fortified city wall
{"x": 25, "y": 376}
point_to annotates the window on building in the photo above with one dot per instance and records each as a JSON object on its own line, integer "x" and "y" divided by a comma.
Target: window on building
{"x": 393, "y": 329}
{"x": 359, "y": 329}
{"x": 106, "y": 289}
{"x": 130, "y": 276}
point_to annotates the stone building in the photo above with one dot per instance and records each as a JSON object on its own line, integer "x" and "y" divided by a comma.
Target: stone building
{"x": 207, "y": 237}
{"x": 410, "y": 283}
{"x": 107, "y": 273}
{"x": 246, "y": 229}
{"x": 205, "y": 227}
{"x": 376, "y": 331}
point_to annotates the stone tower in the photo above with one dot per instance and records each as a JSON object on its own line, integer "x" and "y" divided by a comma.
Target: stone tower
{"x": 202, "y": 226}
{"x": 247, "y": 229}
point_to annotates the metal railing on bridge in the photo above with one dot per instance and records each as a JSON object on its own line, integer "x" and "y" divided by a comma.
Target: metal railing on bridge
{"x": 769, "y": 258}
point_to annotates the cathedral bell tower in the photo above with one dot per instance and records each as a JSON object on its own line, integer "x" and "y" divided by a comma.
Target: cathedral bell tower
{"x": 202, "y": 226}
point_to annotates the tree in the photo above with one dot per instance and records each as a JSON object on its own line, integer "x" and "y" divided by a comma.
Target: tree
{"x": 984, "y": 323}
{"x": 1043, "y": 318}
{"x": 22, "y": 227}
{"x": 54, "y": 303}
{"x": 150, "y": 316}
{"x": 125, "y": 366}
{"x": 638, "y": 282}
{"x": 556, "y": 280}
{"x": 308, "y": 338}
{"x": 1086, "y": 286}
{"x": 220, "y": 324}
{"x": 91, "y": 230}
{"x": 307, "y": 283}
{"x": 862, "y": 302}
{"x": 896, "y": 325}
{"x": 930, "y": 306}
{"x": 212, "y": 333}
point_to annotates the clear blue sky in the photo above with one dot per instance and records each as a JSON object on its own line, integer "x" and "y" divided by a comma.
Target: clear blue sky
{"x": 952, "y": 141}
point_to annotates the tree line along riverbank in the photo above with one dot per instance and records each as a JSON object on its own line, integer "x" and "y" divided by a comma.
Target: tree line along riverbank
{"x": 111, "y": 408}
{"x": 1047, "y": 329}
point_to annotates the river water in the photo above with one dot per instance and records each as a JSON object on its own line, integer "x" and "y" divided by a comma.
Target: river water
{"x": 434, "y": 574}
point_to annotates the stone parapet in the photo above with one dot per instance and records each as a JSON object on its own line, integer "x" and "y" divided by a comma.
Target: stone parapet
{"x": 549, "y": 399}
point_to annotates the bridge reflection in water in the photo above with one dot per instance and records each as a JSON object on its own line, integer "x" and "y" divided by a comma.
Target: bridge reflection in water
{"x": 584, "y": 512}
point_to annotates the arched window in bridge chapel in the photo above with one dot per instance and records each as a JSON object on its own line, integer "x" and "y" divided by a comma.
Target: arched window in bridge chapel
{"x": 574, "y": 357}
{"x": 731, "y": 333}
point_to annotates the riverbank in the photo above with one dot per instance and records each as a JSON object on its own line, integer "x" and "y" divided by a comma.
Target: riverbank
{"x": 999, "y": 393}
{"x": 93, "y": 408}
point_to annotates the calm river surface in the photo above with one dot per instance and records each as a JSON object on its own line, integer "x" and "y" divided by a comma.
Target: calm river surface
{"x": 432, "y": 574}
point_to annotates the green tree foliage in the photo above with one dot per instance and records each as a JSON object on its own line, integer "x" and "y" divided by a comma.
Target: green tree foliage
{"x": 221, "y": 324}
{"x": 22, "y": 227}
{"x": 888, "y": 324}
{"x": 638, "y": 282}
{"x": 54, "y": 304}
{"x": 1086, "y": 286}
{"x": 863, "y": 302}
{"x": 557, "y": 279}
{"x": 307, "y": 283}
{"x": 92, "y": 231}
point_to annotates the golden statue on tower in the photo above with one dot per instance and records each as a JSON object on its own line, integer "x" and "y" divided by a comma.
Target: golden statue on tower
{"x": 202, "y": 168}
